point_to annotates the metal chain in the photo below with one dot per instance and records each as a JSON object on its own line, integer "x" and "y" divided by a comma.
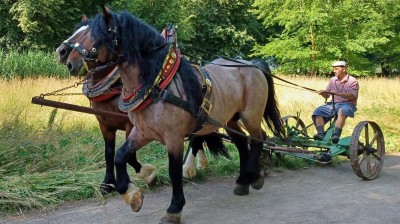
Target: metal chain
{"x": 56, "y": 92}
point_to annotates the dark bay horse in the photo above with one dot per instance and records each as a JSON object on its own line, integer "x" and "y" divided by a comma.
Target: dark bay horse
{"x": 104, "y": 95}
{"x": 167, "y": 100}
{"x": 103, "y": 89}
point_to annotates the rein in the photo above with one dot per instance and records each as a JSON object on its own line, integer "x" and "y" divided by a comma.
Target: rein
{"x": 254, "y": 66}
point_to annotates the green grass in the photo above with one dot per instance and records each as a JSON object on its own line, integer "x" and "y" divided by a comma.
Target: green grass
{"x": 30, "y": 64}
{"x": 49, "y": 156}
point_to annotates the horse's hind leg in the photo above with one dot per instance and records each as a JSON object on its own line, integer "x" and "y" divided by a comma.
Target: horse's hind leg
{"x": 256, "y": 145}
{"x": 189, "y": 171}
{"x": 240, "y": 141}
{"x": 202, "y": 161}
{"x": 196, "y": 151}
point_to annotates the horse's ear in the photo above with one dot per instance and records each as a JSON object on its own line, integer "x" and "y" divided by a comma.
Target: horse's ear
{"x": 84, "y": 18}
{"x": 106, "y": 14}
{"x": 105, "y": 9}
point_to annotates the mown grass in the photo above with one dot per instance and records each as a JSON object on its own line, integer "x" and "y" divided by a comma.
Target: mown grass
{"x": 48, "y": 156}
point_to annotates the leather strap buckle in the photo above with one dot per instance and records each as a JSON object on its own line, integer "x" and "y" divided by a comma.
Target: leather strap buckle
{"x": 206, "y": 106}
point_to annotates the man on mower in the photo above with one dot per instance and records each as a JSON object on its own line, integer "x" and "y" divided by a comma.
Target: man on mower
{"x": 344, "y": 90}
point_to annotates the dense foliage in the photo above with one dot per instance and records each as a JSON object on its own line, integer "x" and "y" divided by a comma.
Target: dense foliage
{"x": 302, "y": 36}
{"x": 316, "y": 32}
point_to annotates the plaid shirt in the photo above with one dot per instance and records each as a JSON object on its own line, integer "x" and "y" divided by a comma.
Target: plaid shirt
{"x": 348, "y": 85}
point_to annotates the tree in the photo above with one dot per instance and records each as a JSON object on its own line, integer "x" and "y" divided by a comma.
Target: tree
{"x": 387, "y": 56}
{"x": 222, "y": 28}
{"x": 41, "y": 24}
{"x": 206, "y": 28}
{"x": 10, "y": 34}
{"x": 317, "y": 32}
{"x": 156, "y": 13}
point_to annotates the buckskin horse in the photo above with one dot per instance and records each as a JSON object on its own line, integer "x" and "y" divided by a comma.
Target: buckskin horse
{"x": 103, "y": 88}
{"x": 167, "y": 100}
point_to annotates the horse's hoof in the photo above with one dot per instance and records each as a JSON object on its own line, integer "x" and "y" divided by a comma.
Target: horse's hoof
{"x": 258, "y": 184}
{"x": 148, "y": 174}
{"x": 188, "y": 172}
{"x": 171, "y": 218}
{"x": 136, "y": 207}
{"x": 241, "y": 189}
{"x": 106, "y": 188}
{"x": 134, "y": 198}
{"x": 152, "y": 182}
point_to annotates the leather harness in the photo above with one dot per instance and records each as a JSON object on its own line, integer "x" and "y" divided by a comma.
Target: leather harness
{"x": 141, "y": 97}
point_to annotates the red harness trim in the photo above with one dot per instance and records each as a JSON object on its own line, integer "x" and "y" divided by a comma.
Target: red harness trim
{"x": 169, "y": 69}
{"x": 132, "y": 94}
{"x": 168, "y": 75}
{"x": 106, "y": 96}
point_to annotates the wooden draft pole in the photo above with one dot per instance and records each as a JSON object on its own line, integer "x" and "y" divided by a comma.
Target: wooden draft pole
{"x": 51, "y": 103}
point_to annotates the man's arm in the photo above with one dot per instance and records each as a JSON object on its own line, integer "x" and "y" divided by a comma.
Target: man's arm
{"x": 351, "y": 93}
{"x": 347, "y": 96}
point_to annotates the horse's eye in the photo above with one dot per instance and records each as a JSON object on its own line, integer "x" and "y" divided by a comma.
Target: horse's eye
{"x": 94, "y": 50}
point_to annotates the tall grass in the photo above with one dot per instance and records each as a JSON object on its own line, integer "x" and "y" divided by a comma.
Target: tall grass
{"x": 49, "y": 155}
{"x": 30, "y": 64}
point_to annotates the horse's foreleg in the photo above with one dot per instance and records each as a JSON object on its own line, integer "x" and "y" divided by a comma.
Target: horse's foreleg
{"x": 175, "y": 156}
{"x": 108, "y": 184}
{"x": 146, "y": 172}
{"x": 128, "y": 190}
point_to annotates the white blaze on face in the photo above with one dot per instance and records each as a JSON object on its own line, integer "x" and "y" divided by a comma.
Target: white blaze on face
{"x": 79, "y": 30}
{"x": 73, "y": 35}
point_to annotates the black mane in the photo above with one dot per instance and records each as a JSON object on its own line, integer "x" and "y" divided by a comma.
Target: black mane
{"x": 139, "y": 43}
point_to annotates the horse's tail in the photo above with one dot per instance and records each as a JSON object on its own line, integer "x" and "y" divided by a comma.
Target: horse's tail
{"x": 214, "y": 144}
{"x": 272, "y": 115}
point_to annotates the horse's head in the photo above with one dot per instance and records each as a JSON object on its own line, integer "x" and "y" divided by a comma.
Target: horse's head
{"x": 86, "y": 50}
{"x": 115, "y": 37}
{"x": 66, "y": 46}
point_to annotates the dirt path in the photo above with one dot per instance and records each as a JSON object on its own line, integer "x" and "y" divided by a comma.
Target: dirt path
{"x": 315, "y": 195}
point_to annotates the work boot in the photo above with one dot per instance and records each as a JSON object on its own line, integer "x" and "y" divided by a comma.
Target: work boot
{"x": 335, "y": 138}
{"x": 319, "y": 136}
{"x": 336, "y": 135}
{"x": 324, "y": 157}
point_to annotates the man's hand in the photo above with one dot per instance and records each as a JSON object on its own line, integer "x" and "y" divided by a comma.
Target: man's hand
{"x": 333, "y": 92}
{"x": 324, "y": 94}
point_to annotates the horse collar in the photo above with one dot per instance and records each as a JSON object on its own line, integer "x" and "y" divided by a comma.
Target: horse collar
{"x": 102, "y": 91}
{"x": 139, "y": 98}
